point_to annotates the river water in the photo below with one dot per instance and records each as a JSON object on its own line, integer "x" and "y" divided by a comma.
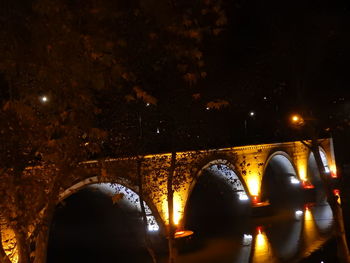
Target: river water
{"x": 89, "y": 228}
{"x": 287, "y": 236}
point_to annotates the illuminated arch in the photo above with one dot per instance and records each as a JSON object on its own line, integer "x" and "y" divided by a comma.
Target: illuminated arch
{"x": 284, "y": 161}
{"x": 313, "y": 172}
{"x": 278, "y": 162}
{"x": 323, "y": 158}
{"x": 130, "y": 195}
{"x": 224, "y": 169}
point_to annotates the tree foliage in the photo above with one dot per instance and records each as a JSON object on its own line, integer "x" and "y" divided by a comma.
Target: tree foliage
{"x": 65, "y": 64}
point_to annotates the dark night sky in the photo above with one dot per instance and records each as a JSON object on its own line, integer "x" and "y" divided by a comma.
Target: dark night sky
{"x": 274, "y": 57}
{"x": 294, "y": 53}
{"x": 287, "y": 48}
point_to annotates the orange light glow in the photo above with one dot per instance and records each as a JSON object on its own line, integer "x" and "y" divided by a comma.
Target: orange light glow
{"x": 336, "y": 192}
{"x": 262, "y": 248}
{"x": 333, "y": 169}
{"x": 297, "y": 119}
{"x": 253, "y": 183}
{"x": 259, "y": 229}
{"x": 255, "y": 199}
{"x": 183, "y": 233}
{"x": 307, "y": 185}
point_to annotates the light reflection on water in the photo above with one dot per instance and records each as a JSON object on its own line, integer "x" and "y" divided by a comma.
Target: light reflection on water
{"x": 277, "y": 240}
{"x": 291, "y": 239}
{"x": 296, "y": 238}
{"x": 262, "y": 251}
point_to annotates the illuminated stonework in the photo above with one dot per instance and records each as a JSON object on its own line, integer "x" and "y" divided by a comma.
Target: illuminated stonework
{"x": 243, "y": 167}
{"x": 9, "y": 244}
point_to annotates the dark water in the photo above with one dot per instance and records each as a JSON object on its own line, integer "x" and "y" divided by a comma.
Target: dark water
{"x": 89, "y": 228}
{"x": 283, "y": 237}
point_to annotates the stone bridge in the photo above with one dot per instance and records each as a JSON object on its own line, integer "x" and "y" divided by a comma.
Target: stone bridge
{"x": 243, "y": 167}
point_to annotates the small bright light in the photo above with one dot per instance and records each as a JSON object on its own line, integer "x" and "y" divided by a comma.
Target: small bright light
{"x": 243, "y": 197}
{"x": 207, "y": 108}
{"x": 252, "y": 113}
{"x": 153, "y": 228}
{"x": 294, "y": 180}
{"x": 148, "y": 104}
{"x": 44, "y": 99}
{"x": 158, "y": 130}
{"x": 247, "y": 239}
{"x": 298, "y": 213}
{"x": 295, "y": 118}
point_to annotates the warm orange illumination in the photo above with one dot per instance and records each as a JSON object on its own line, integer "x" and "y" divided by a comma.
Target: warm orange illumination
{"x": 307, "y": 185}
{"x": 336, "y": 193}
{"x": 262, "y": 248}
{"x": 333, "y": 169}
{"x": 255, "y": 199}
{"x": 259, "y": 230}
{"x": 178, "y": 208}
{"x": 296, "y": 119}
{"x": 253, "y": 184}
{"x": 310, "y": 232}
{"x": 302, "y": 169}
{"x": 260, "y": 204}
{"x": 9, "y": 244}
{"x": 183, "y": 233}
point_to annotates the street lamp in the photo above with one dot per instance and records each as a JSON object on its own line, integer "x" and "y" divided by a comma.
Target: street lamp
{"x": 297, "y": 119}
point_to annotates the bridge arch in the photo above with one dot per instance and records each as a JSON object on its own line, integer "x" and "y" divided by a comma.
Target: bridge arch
{"x": 313, "y": 172}
{"x": 226, "y": 170}
{"x": 127, "y": 189}
{"x": 226, "y": 188}
{"x": 279, "y": 178}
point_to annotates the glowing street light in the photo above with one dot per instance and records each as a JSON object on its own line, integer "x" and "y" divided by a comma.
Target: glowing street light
{"x": 44, "y": 99}
{"x": 297, "y": 119}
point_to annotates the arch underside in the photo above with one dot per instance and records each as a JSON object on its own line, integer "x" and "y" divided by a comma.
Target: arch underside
{"x": 120, "y": 191}
{"x": 230, "y": 177}
{"x": 313, "y": 172}
{"x": 279, "y": 179}
{"x": 218, "y": 198}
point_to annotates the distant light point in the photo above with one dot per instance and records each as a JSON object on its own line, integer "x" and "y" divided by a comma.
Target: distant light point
{"x": 44, "y": 99}
{"x": 252, "y": 114}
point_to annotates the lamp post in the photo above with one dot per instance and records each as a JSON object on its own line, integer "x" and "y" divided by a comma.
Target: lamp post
{"x": 333, "y": 196}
